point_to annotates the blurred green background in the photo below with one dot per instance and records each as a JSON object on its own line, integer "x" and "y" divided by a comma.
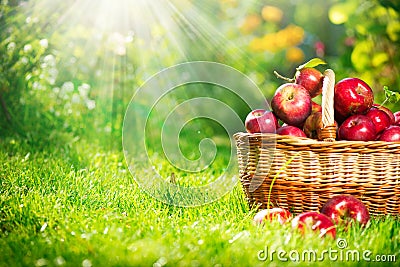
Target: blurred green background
{"x": 68, "y": 69}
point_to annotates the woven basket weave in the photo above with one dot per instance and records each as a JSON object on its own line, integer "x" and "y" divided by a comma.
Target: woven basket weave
{"x": 301, "y": 174}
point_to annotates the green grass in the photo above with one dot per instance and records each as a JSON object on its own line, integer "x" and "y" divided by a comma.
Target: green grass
{"x": 78, "y": 205}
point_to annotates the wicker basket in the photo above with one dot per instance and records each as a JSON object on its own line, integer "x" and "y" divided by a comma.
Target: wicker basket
{"x": 301, "y": 174}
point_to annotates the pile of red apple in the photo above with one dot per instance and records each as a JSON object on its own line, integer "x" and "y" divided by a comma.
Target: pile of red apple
{"x": 295, "y": 113}
{"x": 340, "y": 210}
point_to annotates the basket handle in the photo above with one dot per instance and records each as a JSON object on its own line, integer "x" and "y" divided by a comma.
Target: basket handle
{"x": 328, "y": 133}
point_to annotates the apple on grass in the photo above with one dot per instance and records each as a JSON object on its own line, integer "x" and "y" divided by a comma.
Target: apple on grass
{"x": 313, "y": 221}
{"x": 279, "y": 214}
{"x": 291, "y": 103}
{"x": 352, "y": 96}
{"x": 391, "y": 134}
{"x": 380, "y": 118}
{"x": 345, "y": 209}
{"x": 261, "y": 121}
{"x": 357, "y": 128}
{"x": 290, "y": 130}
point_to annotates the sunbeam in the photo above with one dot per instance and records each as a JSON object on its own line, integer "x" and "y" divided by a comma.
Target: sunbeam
{"x": 125, "y": 42}
{"x": 174, "y": 27}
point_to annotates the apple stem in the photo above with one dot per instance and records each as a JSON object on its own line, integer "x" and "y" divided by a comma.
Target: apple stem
{"x": 383, "y": 103}
{"x": 283, "y": 77}
{"x": 390, "y": 96}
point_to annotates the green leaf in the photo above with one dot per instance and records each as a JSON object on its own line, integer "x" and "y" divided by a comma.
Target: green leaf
{"x": 391, "y": 96}
{"x": 311, "y": 63}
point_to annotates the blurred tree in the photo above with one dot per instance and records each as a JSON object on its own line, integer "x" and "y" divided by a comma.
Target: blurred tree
{"x": 369, "y": 49}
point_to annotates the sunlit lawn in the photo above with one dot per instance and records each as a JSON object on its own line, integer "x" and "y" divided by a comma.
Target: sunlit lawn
{"x": 79, "y": 206}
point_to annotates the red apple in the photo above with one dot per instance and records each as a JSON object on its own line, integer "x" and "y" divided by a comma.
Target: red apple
{"x": 290, "y": 130}
{"x": 396, "y": 117}
{"x": 315, "y": 107}
{"x": 261, "y": 121}
{"x": 344, "y": 209}
{"x": 380, "y": 118}
{"x": 291, "y": 103}
{"x": 388, "y": 111}
{"x": 314, "y": 221}
{"x": 311, "y": 80}
{"x": 313, "y": 126}
{"x": 357, "y": 128}
{"x": 352, "y": 96}
{"x": 391, "y": 134}
{"x": 279, "y": 214}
